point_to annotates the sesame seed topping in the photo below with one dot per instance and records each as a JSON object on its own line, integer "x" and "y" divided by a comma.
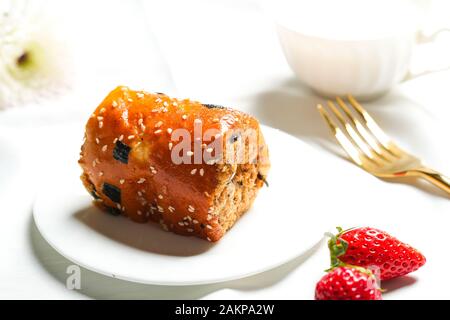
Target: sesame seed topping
{"x": 194, "y": 221}
{"x": 208, "y": 217}
{"x": 181, "y": 223}
{"x": 131, "y": 137}
{"x": 141, "y": 180}
{"x": 140, "y": 95}
{"x": 193, "y": 171}
{"x": 122, "y": 181}
{"x": 169, "y": 130}
{"x": 207, "y": 194}
{"x": 158, "y": 131}
{"x": 158, "y": 124}
{"x": 208, "y": 238}
{"x": 158, "y": 100}
{"x": 210, "y": 209}
{"x": 160, "y": 209}
{"x": 114, "y": 104}
{"x": 99, "y": 118}
{"x": 186, "y": 223}
{"x": 153, "y": 170}
{"x": 121, "y": 137}
{"x": 170, "y": 145}
{"x": 166, "y": 104}
{"x": 191, "y": 208}
{"x": 100, "y": 173}
{"x": 184, "y": 117}
{"x": 202, "y": 172}
{"x": 215, "y": 120}
{"x": 171, "y": 209}
{"x": 140, "y": 121}
{"x": 130, "y": 100}
{"x": 160, "y": 196}
{"x": 139, "y": 194}
{"x": 100, "y": 124}
{"x": 208, "y": 226}
{"x": 190, "y": 230}
{"x": 174, "y": 104}
{"x": 102, "y": 110}
{"x": 97, "y": 140}
{"x": 105, "y": 147}
{"x": 118, "y": 206}
{"x": 139, "y": 212}
{"x": 115, "y": 140}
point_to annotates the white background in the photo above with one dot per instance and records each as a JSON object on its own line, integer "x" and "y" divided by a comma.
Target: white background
{"x": 225, "y": 52}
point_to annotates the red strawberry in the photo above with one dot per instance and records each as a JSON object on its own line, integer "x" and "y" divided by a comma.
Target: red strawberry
{"x": 374, "y": 249}
{"x": 348, "y": 283}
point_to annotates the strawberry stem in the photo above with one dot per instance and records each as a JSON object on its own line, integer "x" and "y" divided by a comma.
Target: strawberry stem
{"x": 337, "y": 247}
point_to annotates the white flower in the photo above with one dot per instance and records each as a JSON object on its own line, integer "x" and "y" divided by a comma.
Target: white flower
{"x": 32, "y": 61}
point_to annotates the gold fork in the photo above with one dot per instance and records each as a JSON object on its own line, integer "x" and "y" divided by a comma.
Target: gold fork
{"x": 370, "y": 148}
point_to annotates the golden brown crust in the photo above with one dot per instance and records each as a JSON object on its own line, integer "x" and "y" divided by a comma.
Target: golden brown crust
{"x": 127, "y": 164}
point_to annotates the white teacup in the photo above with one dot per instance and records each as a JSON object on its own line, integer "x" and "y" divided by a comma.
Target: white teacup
{"x": 359, "y": 47}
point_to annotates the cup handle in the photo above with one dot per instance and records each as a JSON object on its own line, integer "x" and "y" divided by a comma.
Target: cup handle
{"x": 421, "y": 38}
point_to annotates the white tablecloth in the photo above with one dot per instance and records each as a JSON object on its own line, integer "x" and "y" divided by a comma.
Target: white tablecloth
{"x": 224, "y": 52}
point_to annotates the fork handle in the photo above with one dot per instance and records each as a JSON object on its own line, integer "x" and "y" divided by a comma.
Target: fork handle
{"x": 434, "y": 177}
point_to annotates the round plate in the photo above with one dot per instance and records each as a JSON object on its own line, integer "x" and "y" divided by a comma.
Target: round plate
{"x": 278, "y": 228}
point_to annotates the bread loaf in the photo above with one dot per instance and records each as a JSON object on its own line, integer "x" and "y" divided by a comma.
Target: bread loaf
{"x": 193, "y": 168}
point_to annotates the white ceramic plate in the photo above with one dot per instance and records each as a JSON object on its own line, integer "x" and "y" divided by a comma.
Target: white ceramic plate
{"x": 278, "y": 228}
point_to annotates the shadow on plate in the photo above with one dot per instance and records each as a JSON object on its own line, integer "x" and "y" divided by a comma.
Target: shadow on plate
{"x": 138, "y": 236}
{"x": 98, "y": 286}
{"x": 292, "y": 108}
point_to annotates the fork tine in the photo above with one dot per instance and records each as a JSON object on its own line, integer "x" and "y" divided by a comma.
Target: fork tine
{"x": 354, "y": 137}
{"x": 375, "y": 129}
{"x": 345, "y": 142}
{"x": 364, "y": 134}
